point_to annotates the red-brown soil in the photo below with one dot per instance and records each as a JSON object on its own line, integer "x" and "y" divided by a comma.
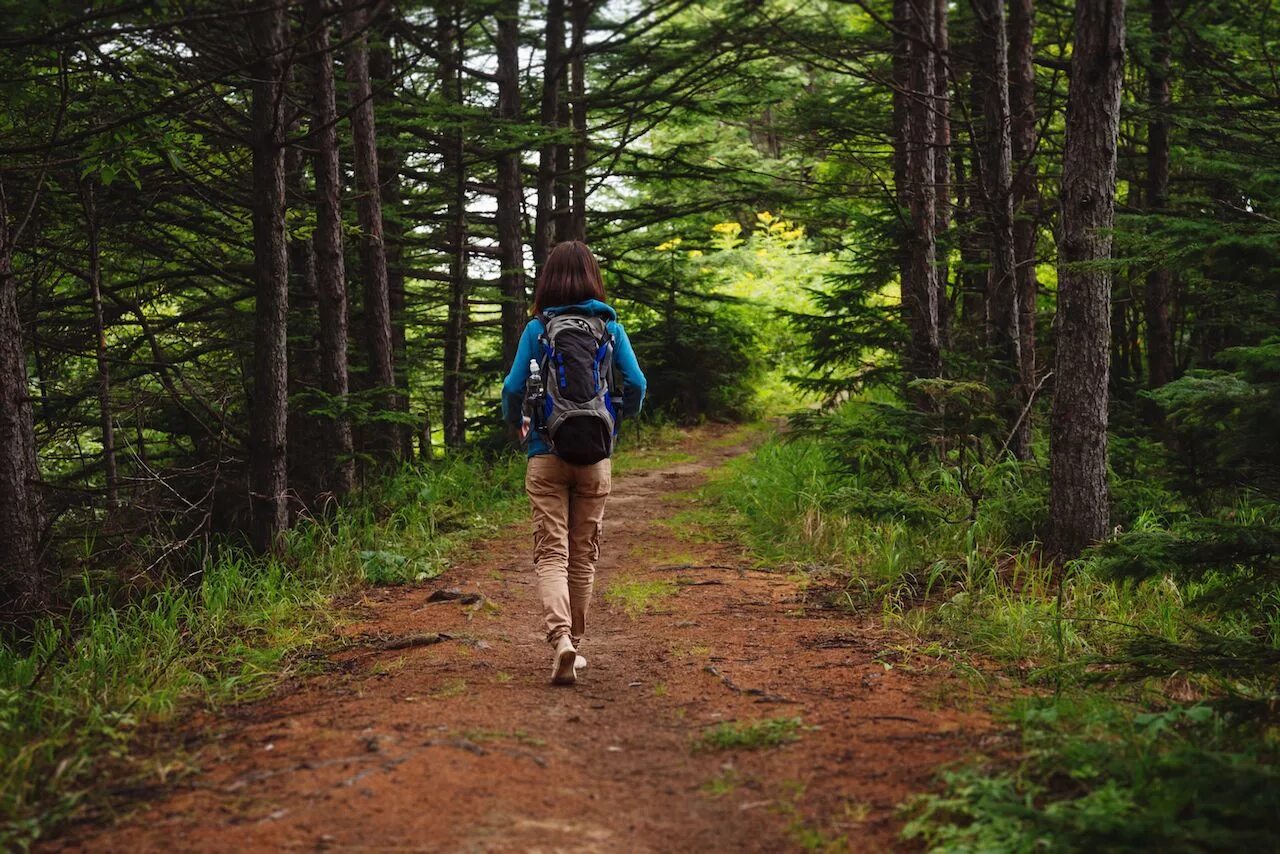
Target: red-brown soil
{"x": 463, "y": 745}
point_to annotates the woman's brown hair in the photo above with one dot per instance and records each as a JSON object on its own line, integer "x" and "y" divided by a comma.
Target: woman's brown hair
{"x": 570, "y": 275}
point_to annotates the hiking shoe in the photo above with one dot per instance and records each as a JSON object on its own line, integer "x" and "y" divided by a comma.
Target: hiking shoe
{"x": 563, "y": 671}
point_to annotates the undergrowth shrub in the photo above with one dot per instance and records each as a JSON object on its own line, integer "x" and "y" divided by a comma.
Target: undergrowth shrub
{"x": 1161, "y": 646}
{"x": 75, "y": 692}
{"x": 1101, "y": 776}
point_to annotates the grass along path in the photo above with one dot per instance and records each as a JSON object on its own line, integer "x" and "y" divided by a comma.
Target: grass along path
{"x": 721, "y": 710}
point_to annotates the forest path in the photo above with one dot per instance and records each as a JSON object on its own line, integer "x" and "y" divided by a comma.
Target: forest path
{"x": 463, "y": 745}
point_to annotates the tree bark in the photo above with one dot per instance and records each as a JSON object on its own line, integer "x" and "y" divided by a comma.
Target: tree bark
{"x": 901, "y": 123}
{"x": 973, "y": 239}
{"x": 579, "y": 12}
{"x": 308, "y": 461}
{"x": 377, "y": 299}
{"x": 390, "y": 166}
{"x": 331, "y": 275}
{"x": 942, "y": 161}
{"x": 454, "y": 169}
{"x": 1026, "y": 192}
{"x": 510, "y": 194}
{"x": 1160, "y": 362}
{"x": 268, "y": 420}
{"x": 1078, "y": 491}
{"x": 920, "y": 292}
{"x": 549, "y": 163}
{"x": 22, "y": 584}
{"x": 1003, "y": 330}
{"x": 105, "y": 419}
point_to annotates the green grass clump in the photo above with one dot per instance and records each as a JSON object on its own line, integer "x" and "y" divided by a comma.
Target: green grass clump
{"x": 770, "y": 732}
{"x": 636, "y": 596}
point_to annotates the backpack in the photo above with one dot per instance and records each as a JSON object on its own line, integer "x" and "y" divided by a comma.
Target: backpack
{"x": 577, "y": 415}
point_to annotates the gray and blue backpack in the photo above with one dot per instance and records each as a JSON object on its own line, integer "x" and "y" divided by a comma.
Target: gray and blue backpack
{"x": 576, "y": 407}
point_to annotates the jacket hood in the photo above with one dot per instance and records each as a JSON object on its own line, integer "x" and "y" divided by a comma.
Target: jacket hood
{"x": 591, "y": 306}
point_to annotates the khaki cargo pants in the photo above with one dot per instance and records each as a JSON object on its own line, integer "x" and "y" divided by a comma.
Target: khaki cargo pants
{"x": 568, "y": 515}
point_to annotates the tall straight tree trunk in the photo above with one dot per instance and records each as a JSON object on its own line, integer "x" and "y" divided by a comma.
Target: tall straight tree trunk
{"x": 510, "y": 194}
{"x": 390, "y": 165}
{"x": 373, "y": 250}
{"x": 970, "y": 227}
{"x": 453, "y": 148}
{"x": 22, "y": 584}
{"x": 901, "y": 123}
{"x": 308, "y": 464}
{"x": 1026, "y": 192}
{"x": 105, "y": 419}
{"x": 942, "y": 160}
{"x": 579, "y": 12}
{"x": 920, "y": 292}
{"x": 1160, "y": 366}
{"x": 268, "y": 420}
{"x": 973, "y": 239}
{"x": 331, "y": 274}
{"x": 1078, "y": 493}
{"x": 549, "y": 164}
{"x": 997, "y": 177}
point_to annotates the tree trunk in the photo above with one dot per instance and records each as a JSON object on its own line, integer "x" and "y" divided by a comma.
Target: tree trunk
{"x": 105, "y": 419}
{"x": 331, "y": 275}
{"x": 942, "y": 162}
{"x": 901, "y": 123}
{"x": 920, "y": 292}
{"x": 373, "y": 254}
{"x": 268, "y": 420}
{"x": 1160, "y": 366}
{"x": 390, "y": 165}
{"x": 579, "y": 12}
{"x": 308, "y": 461}
{"x": 510, "y": 194}
{"x": 997, "y": 177}
{"x": 22, "y": 587}
{"x": 1078, "y": 493}
{"x": 549, "y": 163}
{"x": 970, "y": 228}
{"x": 454, "y": 170}
{"x": 1026, "y": 193}
{"x": 973, "y": 239}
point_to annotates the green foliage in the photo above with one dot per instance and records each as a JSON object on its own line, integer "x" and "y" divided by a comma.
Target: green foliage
{"x": 1098, "y": 776}
{"x": 1223, "y": 423}
{"x": 700, "y": 362}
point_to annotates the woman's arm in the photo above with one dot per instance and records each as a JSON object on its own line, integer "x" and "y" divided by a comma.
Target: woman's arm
{"x": 633, "y": 381}
{"x": 513, "y": 385}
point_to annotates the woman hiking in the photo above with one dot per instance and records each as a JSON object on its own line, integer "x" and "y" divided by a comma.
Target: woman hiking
{"x": 574, "y": 376}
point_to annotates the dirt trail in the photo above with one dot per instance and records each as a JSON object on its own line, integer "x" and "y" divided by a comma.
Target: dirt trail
{"x": 464, "y": 746}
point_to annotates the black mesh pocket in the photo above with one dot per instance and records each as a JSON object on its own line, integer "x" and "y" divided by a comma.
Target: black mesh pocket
{"x": 582, "y": 440}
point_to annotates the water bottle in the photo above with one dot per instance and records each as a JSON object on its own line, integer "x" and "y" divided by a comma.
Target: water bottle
{"x": 534, "y": 396}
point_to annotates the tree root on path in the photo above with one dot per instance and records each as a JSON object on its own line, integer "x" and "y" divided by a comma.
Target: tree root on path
{"x": 376, "y": 643}
{"x": 676, "y": 567}
{"x": 762, "y": 695}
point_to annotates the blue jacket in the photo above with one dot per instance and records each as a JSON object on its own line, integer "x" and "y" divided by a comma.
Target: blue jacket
{"x": 624, "y": 358}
